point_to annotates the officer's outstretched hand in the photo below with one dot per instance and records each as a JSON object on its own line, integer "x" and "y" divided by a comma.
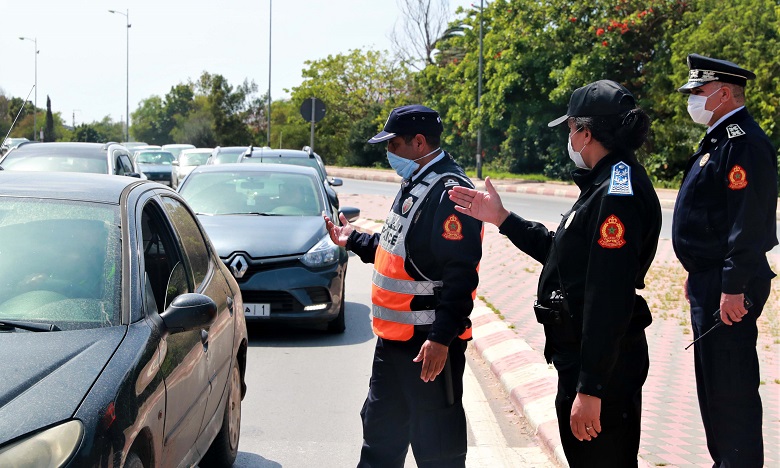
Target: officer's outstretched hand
{"x": 485, "y": 206}
{"x": 433, "y": 356}
{"x": 338, "y": 234}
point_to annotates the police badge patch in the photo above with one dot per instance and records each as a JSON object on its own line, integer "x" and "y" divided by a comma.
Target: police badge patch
{"x": 453, "y": 230}
{"x": 620, "y": 183}
{"x": 737, "y": 178}
{"x": 734, "y": 131}
{"x": 612, "y": 231}
{"x": 407, "y": 205}
{"x": 451, "y": 182}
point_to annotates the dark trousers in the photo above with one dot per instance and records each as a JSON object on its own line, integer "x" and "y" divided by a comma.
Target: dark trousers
{"x": 401, "y": 409}
{"x": 621, "y": 408}
{"x": 727, "y": 375}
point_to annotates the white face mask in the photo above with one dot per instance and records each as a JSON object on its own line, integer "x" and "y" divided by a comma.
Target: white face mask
{"x": 696, "y": 109}
{"x": 576, "y": 156}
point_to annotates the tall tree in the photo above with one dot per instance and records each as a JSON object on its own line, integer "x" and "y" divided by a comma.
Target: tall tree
{"x": 423, "y": 22}
{"x": 48, "y": 131}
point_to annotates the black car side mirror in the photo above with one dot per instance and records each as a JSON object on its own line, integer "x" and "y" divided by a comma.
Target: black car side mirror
{"x": 189, "y": 312}
{"x": 133, "y": 174}
{"x": 350, "y": 213}
{"x": 334, "y": 182}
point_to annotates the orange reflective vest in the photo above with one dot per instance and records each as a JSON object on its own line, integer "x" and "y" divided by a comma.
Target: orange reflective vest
{"x": 392, "y": 287}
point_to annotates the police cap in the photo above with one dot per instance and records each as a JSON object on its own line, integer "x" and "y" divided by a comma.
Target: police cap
{"x": 705, "y": 69}
{"x": 410, "y": 120}
{"x": 603, "y": 97}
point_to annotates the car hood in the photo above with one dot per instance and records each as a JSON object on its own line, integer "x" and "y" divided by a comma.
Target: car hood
{"x": 45, "y": 375}
{"x": 263, "y": 236}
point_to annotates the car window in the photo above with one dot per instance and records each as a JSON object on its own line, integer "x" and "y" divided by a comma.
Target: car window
{"x": 19, "y": 161}
{"x": 155, "y": 157}
{"x": 60, "y": 263}
{"x": 193, "y": 159}
{"x": 192, "y": 240}
{"x": 269, "y": 193}
{"x": 225, "y": 157}
{"x": 161, "y": 257}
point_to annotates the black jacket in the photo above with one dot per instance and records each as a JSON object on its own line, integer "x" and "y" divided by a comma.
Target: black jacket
{"x": 725, "y": 212}
{"x": 454, "y": 262}
{"x": 597, "y": 257}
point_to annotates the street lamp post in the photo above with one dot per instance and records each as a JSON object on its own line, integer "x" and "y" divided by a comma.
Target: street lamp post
{"x": 270, "y": 7}
{"x": 126, "y": 14}
{"x": 35, "y": 110}
{"x": 479, "y": 97}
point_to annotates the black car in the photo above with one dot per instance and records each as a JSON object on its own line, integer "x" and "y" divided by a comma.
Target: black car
{"x": 266, "y": 224}
{"x": 122, "y": 334}
{"x": 305, "y": 157}
{"x": 155, "y": 164}
{"x": 97, "y": 158}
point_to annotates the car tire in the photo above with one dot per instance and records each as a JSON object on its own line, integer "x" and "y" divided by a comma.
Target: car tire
{"x": 133, "y": 461}
{"x": 224, "y": 448}
{"x": 339, "y": 324}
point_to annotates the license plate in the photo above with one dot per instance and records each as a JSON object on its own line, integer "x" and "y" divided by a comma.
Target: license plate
{"x": 257, "y": 310}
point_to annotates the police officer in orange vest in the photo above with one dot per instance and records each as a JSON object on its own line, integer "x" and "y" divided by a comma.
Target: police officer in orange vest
{"x": 723, "y": 226}
{"x": 424, "y": 284}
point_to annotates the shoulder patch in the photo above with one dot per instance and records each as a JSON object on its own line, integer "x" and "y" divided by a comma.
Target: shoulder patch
{"x": 737, "y": 178}
{"x": 734, "y": 131}
{"x": 620, "y": 183}
{"x": 453, "y": 229}
{"x": 451, "y": 182}
{"x": 612, "y": 233}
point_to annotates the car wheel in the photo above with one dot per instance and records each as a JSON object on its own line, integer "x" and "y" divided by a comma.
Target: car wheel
{"x": 224, "y": 448}
{"x": 339, "y": 324}
{"x": 133, "y": 461}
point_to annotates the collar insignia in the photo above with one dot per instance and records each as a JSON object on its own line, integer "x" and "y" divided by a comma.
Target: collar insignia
{"x": 704, "y": 160}
{"x": 407, "y": 205}
{"x": 734, "y": 131}
{"x": 612, "y": 231}
{"x": 453, "y": 230}
{"x": 620, "y": 183}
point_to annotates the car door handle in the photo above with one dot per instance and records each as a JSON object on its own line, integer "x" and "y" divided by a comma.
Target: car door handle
{"x": 204, "y": 338}
{"x": 230, "y": 303}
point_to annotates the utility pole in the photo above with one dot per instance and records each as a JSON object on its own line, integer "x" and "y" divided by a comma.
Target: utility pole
{"x": 126, "y": 14}
{"x": 270, "y": 5}
{"x": 479, "y": 97}
{"x": 35, "y": 109}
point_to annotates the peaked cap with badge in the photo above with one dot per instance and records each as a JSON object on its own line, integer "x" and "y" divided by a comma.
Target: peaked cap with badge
{"x": 410, "y": 120}
{"x": 705, "y": 69}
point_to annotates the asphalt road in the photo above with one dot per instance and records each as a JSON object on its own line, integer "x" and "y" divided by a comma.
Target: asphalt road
{"x": 306, "y": 388}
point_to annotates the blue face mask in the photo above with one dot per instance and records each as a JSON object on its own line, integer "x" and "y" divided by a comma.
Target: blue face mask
{"x": 405, "y": 167}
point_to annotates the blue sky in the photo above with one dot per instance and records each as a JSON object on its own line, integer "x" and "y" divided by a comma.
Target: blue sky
{"x": 81, "y": 64}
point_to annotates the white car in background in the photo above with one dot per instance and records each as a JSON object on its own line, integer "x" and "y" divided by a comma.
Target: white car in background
{"x": 188, "y": 160}
{"x": 176, "y": 148}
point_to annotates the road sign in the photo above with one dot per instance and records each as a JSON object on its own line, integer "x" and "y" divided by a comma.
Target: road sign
{"x": 312, "y": 110}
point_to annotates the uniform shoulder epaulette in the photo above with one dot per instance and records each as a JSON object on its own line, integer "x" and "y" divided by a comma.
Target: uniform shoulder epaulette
{"x": 451, "y": 182}
{"x": 620, "y": 182}
{"x": 734, "y": 131}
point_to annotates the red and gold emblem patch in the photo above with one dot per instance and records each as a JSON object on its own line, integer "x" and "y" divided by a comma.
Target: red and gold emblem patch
{"x": 737, "y": 178}
{"x": 612, "y": 232}
{"x": 453, "y": 230}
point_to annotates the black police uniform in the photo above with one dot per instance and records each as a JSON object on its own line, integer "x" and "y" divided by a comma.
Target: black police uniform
{"x": 400, "y": 408}
{"x": 597, "y": 258}
{"x": 724, "y": 223}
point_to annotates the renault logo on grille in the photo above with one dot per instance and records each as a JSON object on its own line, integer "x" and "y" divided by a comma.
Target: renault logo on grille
{"x": 238, "y": 266}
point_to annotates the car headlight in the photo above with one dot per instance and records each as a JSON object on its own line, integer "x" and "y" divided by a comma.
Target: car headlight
{"x": 50, "y": 448}
{"x": 323, "y": 254}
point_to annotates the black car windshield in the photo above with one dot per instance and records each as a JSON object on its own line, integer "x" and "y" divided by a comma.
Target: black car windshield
{"x": 154, "y": 157}
{"x": 306, "y": 162}
{"x": 282, "y": 194}
{"x": 60, "y": 263}
{"x": 19, "y": 161}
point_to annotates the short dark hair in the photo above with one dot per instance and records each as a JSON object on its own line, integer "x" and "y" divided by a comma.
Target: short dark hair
{"x": 626, "y": 131}
{"x": 433, "y": 140}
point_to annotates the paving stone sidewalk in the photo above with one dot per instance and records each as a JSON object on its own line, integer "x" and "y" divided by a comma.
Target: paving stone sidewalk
{"x": 509, "y": 339}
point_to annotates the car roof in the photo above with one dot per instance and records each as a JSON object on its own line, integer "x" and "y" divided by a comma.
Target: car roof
{"x": 197, "y": 150}
{"x": 279, "y": 153}
{"x": 101, "y": 188}
{"x": 96, "y": 150}
{"x": 238, "y": 167}
{"x": 179, "y": 145}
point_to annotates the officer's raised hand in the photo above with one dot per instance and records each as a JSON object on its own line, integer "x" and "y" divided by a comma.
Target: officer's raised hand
{"x": 484, "y": 206}
{"x": 338, "y": 234}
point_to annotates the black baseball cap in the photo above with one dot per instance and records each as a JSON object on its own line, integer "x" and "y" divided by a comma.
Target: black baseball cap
{"x": 705, "y": 69}
{"x": 603, "y": 97}
{"x": 410, "y": 120}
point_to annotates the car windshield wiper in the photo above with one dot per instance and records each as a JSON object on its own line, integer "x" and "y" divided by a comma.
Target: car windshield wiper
{"x": 29, "y": 326}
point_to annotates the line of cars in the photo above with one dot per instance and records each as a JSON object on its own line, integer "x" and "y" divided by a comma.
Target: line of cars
{"x": 123, "y": 303}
